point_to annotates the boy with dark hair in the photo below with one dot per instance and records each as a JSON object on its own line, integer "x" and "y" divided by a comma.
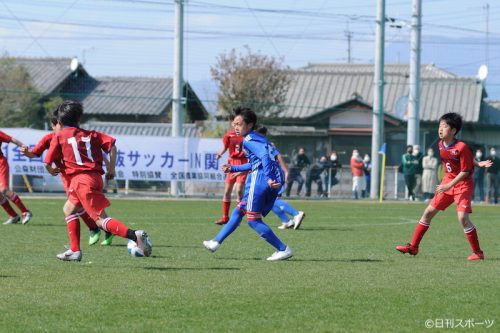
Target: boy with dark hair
{"x": 6, "y": 193}
{"x": 38, "y": 150}
{"x": 234, "y": 144}
{"x": 82, "y": 154}
{"x": 456, "y": 186}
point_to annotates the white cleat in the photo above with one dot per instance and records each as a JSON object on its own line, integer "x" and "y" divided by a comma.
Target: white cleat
{"x": 143, "y": 242}
{"x": 13, "y": 220}
{"x": 27, "y": 217}
{"x": 287, "y": 225}
{"x": 297, "y": 219}
{"x": 69, "y": 255}
{"x": 211, "y": 245}
{"x": 281, "y": 255}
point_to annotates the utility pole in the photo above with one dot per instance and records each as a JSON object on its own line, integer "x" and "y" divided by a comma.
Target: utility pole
{"x": 348, "y": 34}
{"x": 413, "y": 130}
{"x": 178, "y": 81}
{"x": 378, "y": 99}
{"x": 487, "y": 49}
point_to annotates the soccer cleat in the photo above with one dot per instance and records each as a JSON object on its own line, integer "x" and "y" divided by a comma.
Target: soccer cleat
{"x": 287, "y": 225}
{"x": 281, "y": 255}
{"x": 108, "y": 239}
{"x": 94, "y": 236}
{"x": 222, "y": 221}
{"x": 143, "y": 242}
{"x": 476, "y": 256}
{"x": 211, "y": 245}
{"x": 408, "y": 248}
{"x": 27, "y": 217}
{"x": 297, "y": 219}
{"x": 69, "y": 255}
{"x": 13, "y": 220}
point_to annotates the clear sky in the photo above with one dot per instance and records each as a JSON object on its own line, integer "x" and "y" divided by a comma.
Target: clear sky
{"x": 135, "y": 37}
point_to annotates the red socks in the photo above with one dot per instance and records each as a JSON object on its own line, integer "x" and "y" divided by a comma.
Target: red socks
{"x": 17, "y": 201}
{"x": 8, "y": 208}
{"x": 225, "y": 208}
{"x": 115, "y": 227}
{"x": 471, "y": 235}
{"x": 87, "y": 219}
{"x": 73, "y": 226}
{"x": 419, "y": 233}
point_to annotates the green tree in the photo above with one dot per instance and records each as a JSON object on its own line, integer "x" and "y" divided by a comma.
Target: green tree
{"x": 251, "y": 79}
{"x": 19, "y": 101}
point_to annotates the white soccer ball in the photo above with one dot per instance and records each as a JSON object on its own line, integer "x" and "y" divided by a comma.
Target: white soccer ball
{"x": 133, "y": 249}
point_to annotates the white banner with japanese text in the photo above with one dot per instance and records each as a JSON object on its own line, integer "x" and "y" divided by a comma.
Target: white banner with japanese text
{"x": 138, "y": 157}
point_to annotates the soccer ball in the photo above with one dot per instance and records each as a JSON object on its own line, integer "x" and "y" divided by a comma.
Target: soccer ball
{"x": 133, "y": 249}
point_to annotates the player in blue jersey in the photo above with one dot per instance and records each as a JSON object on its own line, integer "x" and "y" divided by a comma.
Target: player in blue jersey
{"x": 264, "y": 181}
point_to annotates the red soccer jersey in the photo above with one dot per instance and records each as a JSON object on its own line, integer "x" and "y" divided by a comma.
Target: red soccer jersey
{"x": 234, "y": 143}
{"x": 43, "y": 145}
{"x": 4, "y": 138}
{"x": 457, "y": 158}
{"x": 80, "y": 150}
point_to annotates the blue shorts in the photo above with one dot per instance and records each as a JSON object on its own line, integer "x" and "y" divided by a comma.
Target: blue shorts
{"x": 259, "y": 198}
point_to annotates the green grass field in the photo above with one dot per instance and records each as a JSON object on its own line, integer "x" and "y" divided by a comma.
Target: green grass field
{"x": 345, "y": 275}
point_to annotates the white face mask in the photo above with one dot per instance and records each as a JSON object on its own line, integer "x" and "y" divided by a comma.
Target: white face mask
{"x": 355, "y": 154}
{"x": 366, "y": 159}
{"x": 493, "y": 152}
{"x": 415, "y": 152}
{"x": 479, "y": 154}
{"x": 333, "y": 157}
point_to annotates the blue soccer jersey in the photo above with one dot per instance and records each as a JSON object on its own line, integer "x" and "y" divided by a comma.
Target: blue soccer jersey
{"x": 259, "y": 197}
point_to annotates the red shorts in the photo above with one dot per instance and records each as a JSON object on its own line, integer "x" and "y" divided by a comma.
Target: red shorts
{"x": 4, "y": 173}
{"x": 66, "y": 181}
{"x": 441, "y": 201}
{"x": 236, "y": 177}
{"x": 86, "y": 190}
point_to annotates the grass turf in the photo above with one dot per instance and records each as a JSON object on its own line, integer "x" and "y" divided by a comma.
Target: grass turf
{"x": 345, "y": 276}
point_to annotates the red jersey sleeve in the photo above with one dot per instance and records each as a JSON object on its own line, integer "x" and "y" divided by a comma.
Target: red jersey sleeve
{"x": 106, "y": 142}
{"x": 43, "y": 144}
{"x": 466, "y": 159}
{"x": 55, "y": 152}
{"x": 4, "y": 137}
{"x": 225, "y": 140}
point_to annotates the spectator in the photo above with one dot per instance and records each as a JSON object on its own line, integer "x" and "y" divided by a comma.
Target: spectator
{"x": 419, "y": 171}
{"x": 314, "y": 175}
{"x": 332, "y": 170}
{"x": 479, "y": 177}
{"x": 409, "y": 163}
{"x": 492, "y": 176}
{"x": 429, "y": 175}
{"x": 367, "y": 170}
{"x": 299, "y": 162}
{"x": 357, "y": 166}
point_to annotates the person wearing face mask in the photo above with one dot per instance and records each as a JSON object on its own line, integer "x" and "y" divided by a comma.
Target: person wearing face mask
{"x": 492, "y": 176}
{"x": 419, "y": 171}
{"x": 367, "y": 170}
{"x": 409, "y": 163}
{"x": 331, "y": 172}
{"x": 429, "y": 174}
{"x": 357, "y": 166}
{"x": 478, "y": 177}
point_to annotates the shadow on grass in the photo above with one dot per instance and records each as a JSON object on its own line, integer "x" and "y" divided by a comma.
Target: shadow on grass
{"x": 327, "y": 228}
{"x": 362, "y": 260}
{"x": 166, "y": 269}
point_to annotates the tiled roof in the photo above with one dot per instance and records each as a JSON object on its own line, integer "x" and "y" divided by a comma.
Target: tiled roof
{"x": 128, "y": 95}
{"x": 140, "y": 129}
{"x": 47, "y": 74}
{"x": 313, "y": 91}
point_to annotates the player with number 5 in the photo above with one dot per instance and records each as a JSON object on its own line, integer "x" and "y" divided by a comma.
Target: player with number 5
{"x": 457, "y": 186}
{"x": 81, "y": 154}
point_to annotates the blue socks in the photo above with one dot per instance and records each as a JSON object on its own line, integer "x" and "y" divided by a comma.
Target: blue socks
{"x": 230, "y": 226}
{"x": 287, "y": 207}
{"x": 281, "y": 208}
{"x": 265, "y": 232}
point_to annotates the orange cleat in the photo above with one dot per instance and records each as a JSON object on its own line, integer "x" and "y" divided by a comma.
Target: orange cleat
{"x": 408, "y": 248}
{"x": 476, "y": 256}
